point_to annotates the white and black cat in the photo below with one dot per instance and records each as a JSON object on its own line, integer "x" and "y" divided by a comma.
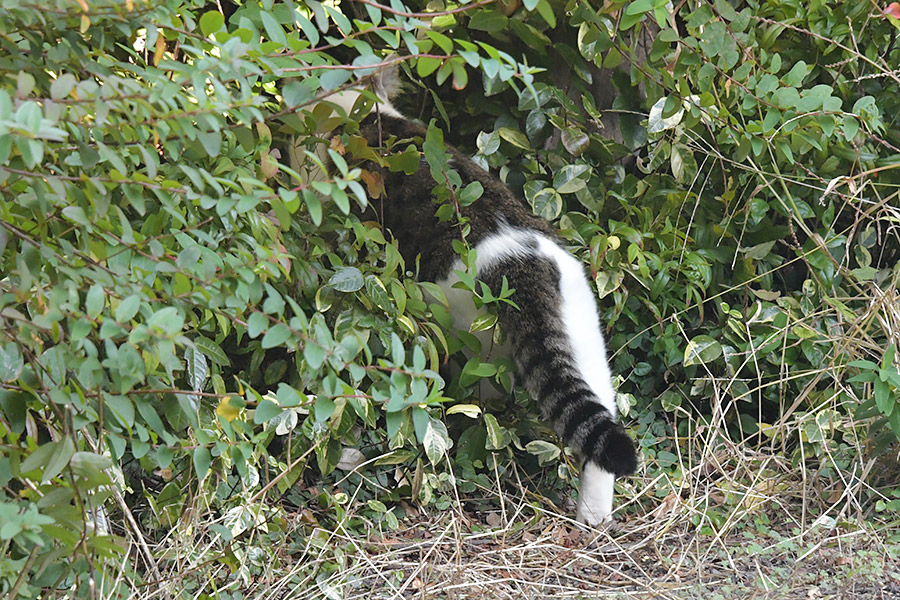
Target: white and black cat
{"x": 553, "y": 336}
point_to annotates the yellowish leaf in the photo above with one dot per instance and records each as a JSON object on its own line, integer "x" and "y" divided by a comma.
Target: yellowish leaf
{"x": 470, "y": 410}
{"x": 160, "y": 50}
{"x": 226, "y": 410}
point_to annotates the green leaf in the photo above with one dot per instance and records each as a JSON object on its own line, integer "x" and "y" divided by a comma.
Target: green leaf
{"x": 266, "y": 410}
{"x": 894, "y": 421}
{"x": 795, "y": 77}
{"x": 494, "y": 432}
{"x": 785, "y": 148}
{"x": 406, "y": 161}
{"x": 212, "y": 351}
{"x": 202, "y": 459}
{"x": 443, "y": 42}
{"x": 488, "y": 143}
{"x": 348, "y": 279}
{"x": 122, "y": 407}
{"x": 684, "y": 166}
{"x": 398, "y": 352}
{"x": 460, "y": 75}
{"x": 426, "y": 65}
{"x": 571, "y": 178}
{"x": 850, "y": 126}
{"x": 314, "y": 354}
{"x": 168, "y": 320}
{"x": 760, "y": 251}
{"x": 299, "y": 92}
{"x": 211, "y": 22}
{"x": 670, "y": 400}
{"x": 339, "y": 19}
{"x": 545, "y": 451}
{"x": 90, "y": 468}
{"x": 334, "y": 78}
{"x": 273, "y": 29}
{"x": 547, "y": 203}
{"x": 489, "y": 20}
{"x": 546, "y": 11}
{"x": 323, "y": 408}
{"x": 437, "y": 441}
{"x": 211, "y": 142}
{"x": 52, "y": 456}
{"x": 62, "y": 86}
{"x": 608, "y": 281}
{"x": 474, "y": 369}
{"x": 435, "y": 152}
{"x": 11, "y": 361}
{"x": 656, "y": 123}
{"x": 887, "y": 361}
{"x": 701, "y": 350}
{"x": 314, "y": 204}
{"x": 883, "y": 397}
{"x": 164, "y": 456}
{"x": 197, "y": 368}
{"x": 276, "y": 336}
{"x": 666, "y": 459}
{"x": 256, "y": 324}
{"x": 639, "y": 7}
{"x": 575, "y": 141}
{"x": 469, "y": 194}
{"x": 95, "y": 300}
{"x": 309, "y": 30}
{"x": 864, "y": 364}
{"x": 483, "y": 322}
{"x": 514, "y": 137}
{"x": 128, "y": 308}
{"x": 24, "y": 84}
{"x": 76, "y": 214}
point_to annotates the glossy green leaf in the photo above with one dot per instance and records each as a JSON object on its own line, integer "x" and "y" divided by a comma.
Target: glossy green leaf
{"x": 11, "y": 361}
{"x": 702, "y": 350}
{"x": 276, "y": 336}
{"x": 348, "y": 279}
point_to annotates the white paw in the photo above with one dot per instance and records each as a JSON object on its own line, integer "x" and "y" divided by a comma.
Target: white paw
{"x": 595, "y": 498}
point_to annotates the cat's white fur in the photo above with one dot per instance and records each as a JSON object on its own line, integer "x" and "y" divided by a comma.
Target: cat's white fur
{"x": 595, "y": 497}
{"x": 582, "y": 326}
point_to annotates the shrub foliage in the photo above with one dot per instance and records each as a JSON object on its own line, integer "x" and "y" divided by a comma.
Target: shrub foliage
{"x": 189, "y": 319}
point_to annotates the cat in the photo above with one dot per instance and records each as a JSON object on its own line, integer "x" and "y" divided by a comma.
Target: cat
{"x": 553, "y": 330}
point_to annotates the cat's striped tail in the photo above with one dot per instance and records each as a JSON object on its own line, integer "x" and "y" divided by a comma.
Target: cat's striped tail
{"x": 557, "y": 345}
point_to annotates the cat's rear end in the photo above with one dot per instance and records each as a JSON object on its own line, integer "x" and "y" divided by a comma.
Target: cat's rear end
{"x": 554, "y": 333}
{"x": 554, "y": 338}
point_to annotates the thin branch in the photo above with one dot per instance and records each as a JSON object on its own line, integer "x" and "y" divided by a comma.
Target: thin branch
{"x": 428, "y": 15}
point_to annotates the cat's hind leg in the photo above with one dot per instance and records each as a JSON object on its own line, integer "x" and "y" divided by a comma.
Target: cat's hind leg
{"x": 595, "y": 499}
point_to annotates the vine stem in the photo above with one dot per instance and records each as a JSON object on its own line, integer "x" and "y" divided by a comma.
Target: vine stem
{"x": 440, "y": 13}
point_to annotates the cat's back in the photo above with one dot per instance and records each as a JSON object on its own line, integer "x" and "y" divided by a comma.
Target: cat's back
{"x": 408, "y": 208}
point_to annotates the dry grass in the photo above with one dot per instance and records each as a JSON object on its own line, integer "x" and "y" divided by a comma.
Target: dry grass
{"x": 533, "y": 553}
{"x": 719, "y": 532}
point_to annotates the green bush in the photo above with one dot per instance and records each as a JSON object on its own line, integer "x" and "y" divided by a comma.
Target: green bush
{"x": 188, "y": 322}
